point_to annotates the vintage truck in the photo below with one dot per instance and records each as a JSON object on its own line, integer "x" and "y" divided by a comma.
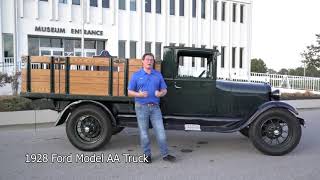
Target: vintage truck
{"x": 90, "y": 95}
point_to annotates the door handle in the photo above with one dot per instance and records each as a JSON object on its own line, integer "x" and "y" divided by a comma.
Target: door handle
{"x": 177, "y": 87}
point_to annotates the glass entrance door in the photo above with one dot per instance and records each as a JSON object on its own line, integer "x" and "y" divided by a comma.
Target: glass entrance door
{"x": 87, "y": 52}
{"x": 50, "y": 51}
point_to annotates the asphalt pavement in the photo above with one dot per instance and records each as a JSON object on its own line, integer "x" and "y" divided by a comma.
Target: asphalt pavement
{"x": 41, "y": 152}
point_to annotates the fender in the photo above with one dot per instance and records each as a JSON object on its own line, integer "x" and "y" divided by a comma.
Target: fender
{"x": 64, "y": 115}
{"x": 272, "y": 104}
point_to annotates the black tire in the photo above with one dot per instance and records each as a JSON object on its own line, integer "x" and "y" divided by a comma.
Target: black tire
{"x": 275, "y": 125}
{"x": 116, "y": 130}
{"x": 245, "y": 131}
{"x": 89, "y": 128}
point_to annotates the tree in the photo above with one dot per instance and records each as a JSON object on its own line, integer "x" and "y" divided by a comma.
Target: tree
{"x": 311, "y": 56}
{"x": 258, "y": 65}
{"x": 272, "y": 71}
{"x": 283, "y": 71}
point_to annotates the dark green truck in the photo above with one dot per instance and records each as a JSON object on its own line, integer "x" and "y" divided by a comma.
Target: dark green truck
{"x": 194, "y": 102}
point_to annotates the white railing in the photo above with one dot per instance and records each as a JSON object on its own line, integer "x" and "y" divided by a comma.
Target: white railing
{"x": 287, "y": 81}
{"x": 7, "y": 65}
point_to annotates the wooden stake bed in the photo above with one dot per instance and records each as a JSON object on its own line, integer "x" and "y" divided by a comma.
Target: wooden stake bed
{"x": 98, "y": 76}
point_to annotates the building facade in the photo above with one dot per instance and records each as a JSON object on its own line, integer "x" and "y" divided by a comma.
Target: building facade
{"x": 128, "y": 28}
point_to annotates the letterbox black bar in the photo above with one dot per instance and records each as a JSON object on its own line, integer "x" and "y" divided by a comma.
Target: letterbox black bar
{"x": 28, "y": 74}
{"x": 126, "y": 71}
{"x": 52, "y": 83}
{"x": 110, "y": 76}
{"x": 67, "y": 68}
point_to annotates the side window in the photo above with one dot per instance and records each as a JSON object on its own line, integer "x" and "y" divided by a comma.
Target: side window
{"x": 195, "y": 67}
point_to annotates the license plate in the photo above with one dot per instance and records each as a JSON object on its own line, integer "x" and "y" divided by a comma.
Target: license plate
{"x": 192, "y": 127}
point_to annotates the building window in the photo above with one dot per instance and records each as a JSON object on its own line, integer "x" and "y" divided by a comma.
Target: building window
{"x": 133, "y": 5}
{"x": 203, "y": 59}
{"x": 194, "y": 8}
{"x": 181, "y": 59}
{"x": 223, "y": 11}
{"x": 76, "y": 2}
{"x": 241, "y": 57}
{"x": 158, "y": 50}
{"x": 8, "y": 45}
{"x": 181, "y": 7}
{"x": 44, "y": 0}
{"x": 158, "y": 6}
{"x": 94, "y": 3}
{"x": 203, "y": 9}
{"x": 33, "y": 47}
{"x": 106, "y": 3}
{"x": 172, "y": 7}
{"x": 193, "y": 61}
{"x": 234, "y": 12}
{"x": 89, "y": 44}
{"x": 241, "y": 13}
{"x": 100, "y": 46}
{"x": 122, "y": 49}
{"x": 148, "y": 47}
{"x": 133, "y": 49}
{"x": 222, "y": 56}
{"x": 215, "y": 10}
{"x": 122, "y": 4}
{"x": 233, "y": 57}
{"x": 148, "y": 6}
{"x": 63, "y": 1}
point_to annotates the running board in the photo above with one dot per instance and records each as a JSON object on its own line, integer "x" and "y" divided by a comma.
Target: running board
{"x": 217, "y": 124}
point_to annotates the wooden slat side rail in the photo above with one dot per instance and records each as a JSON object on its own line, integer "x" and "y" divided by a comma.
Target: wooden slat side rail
{"x": 24, "y": 80}
{"x": 89, "y": 61}
{"x": 40, "y": 59}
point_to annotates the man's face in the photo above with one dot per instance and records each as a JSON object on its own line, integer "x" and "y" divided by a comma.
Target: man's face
{"x": 148, "y": 62}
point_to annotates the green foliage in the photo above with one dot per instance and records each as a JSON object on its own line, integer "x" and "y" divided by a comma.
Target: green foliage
{"x": 14, "y": 103}
{"x": 283, "y": 71}
{"x": 311, "y": 56}
{"x": 258, "y": 65}
{"x": 272, "y": 71}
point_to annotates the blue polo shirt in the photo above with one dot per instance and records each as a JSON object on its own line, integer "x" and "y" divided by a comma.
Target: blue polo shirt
{"x": 142, "y": 81}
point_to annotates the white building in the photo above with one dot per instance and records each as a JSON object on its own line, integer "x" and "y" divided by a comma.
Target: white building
{"x": 128, "y": 28}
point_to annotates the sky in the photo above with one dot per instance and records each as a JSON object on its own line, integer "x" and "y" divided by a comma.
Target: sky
{"x": 281, "y": 30}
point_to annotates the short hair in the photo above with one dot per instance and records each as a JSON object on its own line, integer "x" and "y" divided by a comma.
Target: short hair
{"x": 147, "y": 54}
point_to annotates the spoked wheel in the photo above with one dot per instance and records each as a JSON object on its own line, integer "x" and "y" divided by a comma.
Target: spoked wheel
{"x": 276, "y": 132}
{"x": 89, "y": 128}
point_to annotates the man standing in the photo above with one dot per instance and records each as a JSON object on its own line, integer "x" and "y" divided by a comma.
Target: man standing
{"x": 147, "y": 86}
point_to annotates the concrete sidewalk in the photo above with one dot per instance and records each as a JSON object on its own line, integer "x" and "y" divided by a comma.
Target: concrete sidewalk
{"x": 49, "y": 116}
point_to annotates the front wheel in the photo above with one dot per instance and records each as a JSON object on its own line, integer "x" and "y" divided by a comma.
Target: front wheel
{"x": 275, "y": 132}
{"x": 89, "y": 128}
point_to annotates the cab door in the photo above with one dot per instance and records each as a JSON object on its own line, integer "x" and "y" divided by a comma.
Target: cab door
{"x": 191, "y": 92}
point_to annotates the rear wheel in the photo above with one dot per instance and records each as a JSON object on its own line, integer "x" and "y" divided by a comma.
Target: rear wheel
{"x": 89, "y": 128}
{"x": 275, "y": 132}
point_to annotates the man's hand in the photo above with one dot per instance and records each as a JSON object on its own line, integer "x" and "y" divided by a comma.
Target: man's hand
{"x": 161, "y": 93}
{"x": 143, "y": 94}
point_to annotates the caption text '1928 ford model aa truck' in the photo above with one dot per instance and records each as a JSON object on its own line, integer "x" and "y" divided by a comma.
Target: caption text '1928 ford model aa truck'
{"x": 90, "y": 95}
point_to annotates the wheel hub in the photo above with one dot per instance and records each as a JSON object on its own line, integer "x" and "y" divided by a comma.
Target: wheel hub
{"x": 88, "y": 128}
{"x": 274, "y": 131}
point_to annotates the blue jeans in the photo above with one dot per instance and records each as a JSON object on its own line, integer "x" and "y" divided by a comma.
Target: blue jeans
{"x": 153, "y": 113}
